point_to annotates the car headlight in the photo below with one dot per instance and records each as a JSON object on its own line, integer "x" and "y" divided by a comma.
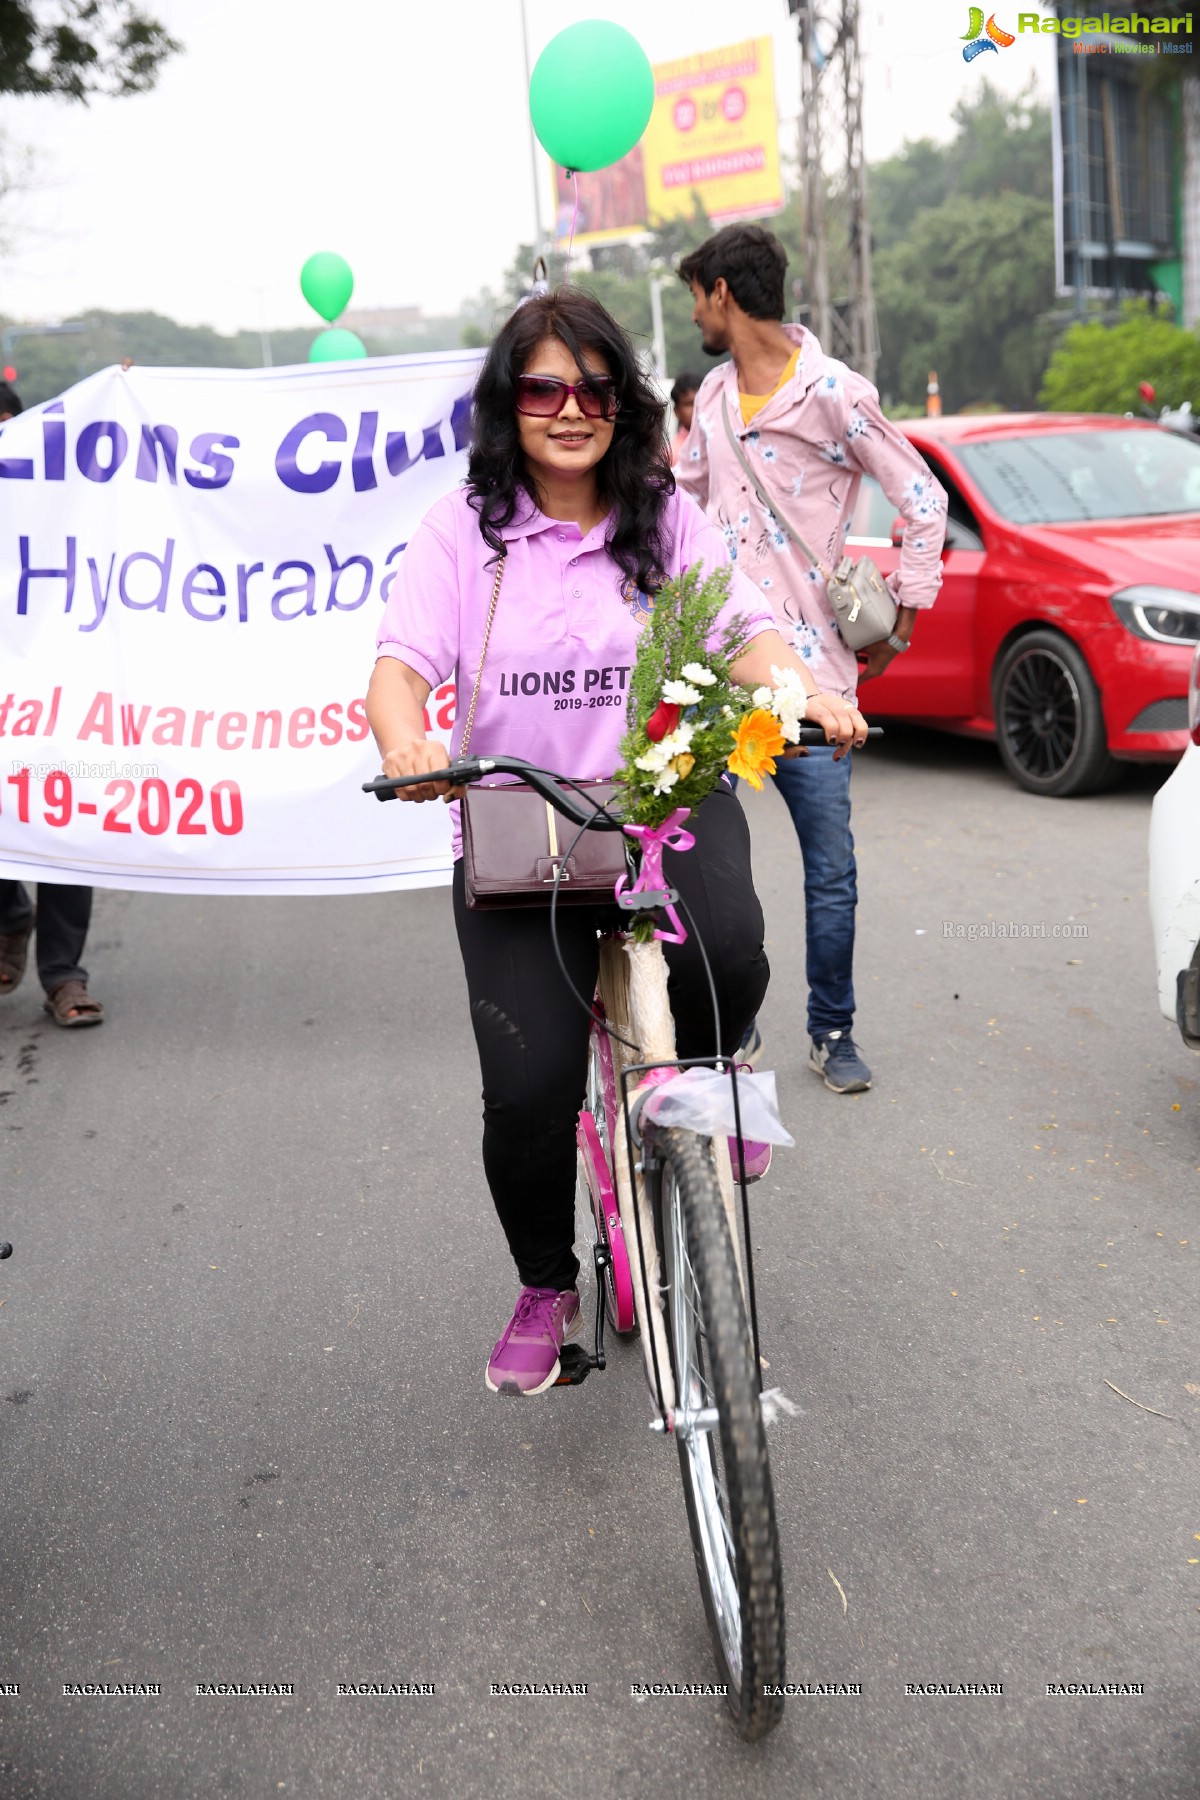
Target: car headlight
{"x": 1163, "y": 615}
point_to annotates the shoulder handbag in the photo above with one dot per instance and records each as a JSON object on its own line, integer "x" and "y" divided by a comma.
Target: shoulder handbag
{"x": 864, "y": 609}
{"x": 515, "y": 844}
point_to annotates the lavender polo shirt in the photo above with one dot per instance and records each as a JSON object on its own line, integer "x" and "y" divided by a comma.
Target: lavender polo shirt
{"x": 565, "y": 633}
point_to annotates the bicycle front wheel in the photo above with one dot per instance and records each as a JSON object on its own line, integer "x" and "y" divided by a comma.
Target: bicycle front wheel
{"x": 720, "y": 1436}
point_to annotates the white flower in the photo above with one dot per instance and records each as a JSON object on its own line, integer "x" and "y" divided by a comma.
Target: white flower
{"x": 831, "y": 383}
{"x": 676, "y": 741}
{"x": 797, "y": 484}
{"x": 789, "y": 702}
{"x": 666, "y": 781}
{"x": 694, "y": 453}
{"x": 769, "y": 454}
{"x": 727, "y": 712}
{"x": 857, "y": 426}
{"x": 763, "y": 696}
{"x": 654, "y": 760}
{"x": 743, "y": 518}
{"x": 914, "y": 487}
{"x": 767, "y": 581}
{"x": 833, "y": 453}
{"x": 680, "y": 693}
{"x": 698, "y": 675}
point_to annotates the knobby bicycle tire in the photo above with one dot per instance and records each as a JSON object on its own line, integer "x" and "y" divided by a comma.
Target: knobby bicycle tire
{"x": 726, "y": 1472}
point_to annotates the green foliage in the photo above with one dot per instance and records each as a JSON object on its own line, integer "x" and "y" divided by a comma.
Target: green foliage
{"x": 74, "y": 48}
{"x": 1097, "y": 368}
{"x": 48, "y": 365}
{"x": 1001, "y": 146}
{"x": 966, "y": 292}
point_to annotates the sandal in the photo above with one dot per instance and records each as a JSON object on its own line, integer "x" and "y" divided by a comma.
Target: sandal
{"x": 14, "y": 952}
{"x": 71, "y": 1005}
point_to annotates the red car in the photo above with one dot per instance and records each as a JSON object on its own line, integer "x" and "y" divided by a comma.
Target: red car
{"x": 1070, "y": 600}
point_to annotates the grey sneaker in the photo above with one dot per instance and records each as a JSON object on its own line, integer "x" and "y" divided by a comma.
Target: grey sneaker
{"x": 751, "y": 1046}
{"x": 525, "y": 1361}
{"x": 836, "y": 1057}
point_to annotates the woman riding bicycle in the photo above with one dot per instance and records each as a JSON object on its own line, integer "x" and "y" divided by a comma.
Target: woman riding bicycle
{"x": 568, "y": 481}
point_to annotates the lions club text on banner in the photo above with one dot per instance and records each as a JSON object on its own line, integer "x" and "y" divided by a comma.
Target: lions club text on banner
{"x": 193, "y": 563}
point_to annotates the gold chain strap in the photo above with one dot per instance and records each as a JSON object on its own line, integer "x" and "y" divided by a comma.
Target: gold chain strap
{"x": 466, "y": 736}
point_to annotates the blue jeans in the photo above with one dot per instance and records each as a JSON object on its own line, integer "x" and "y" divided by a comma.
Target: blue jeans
{"x": 816, "y": 791}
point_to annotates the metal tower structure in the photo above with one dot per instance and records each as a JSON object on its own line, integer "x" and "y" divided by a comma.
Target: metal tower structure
{"x": 833, "y": 177}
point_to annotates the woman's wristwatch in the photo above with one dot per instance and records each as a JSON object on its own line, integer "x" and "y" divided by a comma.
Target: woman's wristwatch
{"x": 898, "y": 643}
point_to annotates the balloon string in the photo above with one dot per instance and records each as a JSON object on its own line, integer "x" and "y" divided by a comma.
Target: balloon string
{"x": 574, "y": 174}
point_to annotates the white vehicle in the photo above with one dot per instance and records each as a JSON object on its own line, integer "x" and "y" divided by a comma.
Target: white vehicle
{"x": 1175, "y": 880}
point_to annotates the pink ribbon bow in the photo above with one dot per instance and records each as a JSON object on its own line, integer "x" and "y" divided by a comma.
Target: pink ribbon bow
{"x": 654, "y": 839}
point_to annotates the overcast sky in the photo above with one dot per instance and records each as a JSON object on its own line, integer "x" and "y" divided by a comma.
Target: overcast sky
{"x": 392, "y": 131}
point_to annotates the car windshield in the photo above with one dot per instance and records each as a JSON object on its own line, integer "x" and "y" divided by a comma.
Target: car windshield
{"x": 1054, "y": 477}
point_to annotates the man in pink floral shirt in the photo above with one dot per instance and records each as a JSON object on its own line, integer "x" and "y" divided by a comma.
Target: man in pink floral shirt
{"x": 809, "y": 427}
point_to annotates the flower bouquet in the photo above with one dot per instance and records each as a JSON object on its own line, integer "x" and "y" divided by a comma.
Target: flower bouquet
{"x": 687, "y": 719}
{"x": 687, "y": 722}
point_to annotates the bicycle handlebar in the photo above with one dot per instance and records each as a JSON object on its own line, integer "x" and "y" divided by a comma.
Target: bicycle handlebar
{"x": 474, "y": 768}
{"x": 543, "y": 781}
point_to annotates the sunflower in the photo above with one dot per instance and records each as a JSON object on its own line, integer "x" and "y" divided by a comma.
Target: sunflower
{"x": 756, "y": 742}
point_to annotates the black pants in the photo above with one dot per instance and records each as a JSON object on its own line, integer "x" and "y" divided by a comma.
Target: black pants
{"x": 63, "y": 917}
{"x": 532, "y": 1034}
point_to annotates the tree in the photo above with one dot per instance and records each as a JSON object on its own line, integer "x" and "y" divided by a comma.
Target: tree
{"x": 1097, "y": 368}
{"x": 50, "y": 364}
{"x": 75, "y": 48}
{"x": 966, "y": 293}
{"x": 1001, "y": 145}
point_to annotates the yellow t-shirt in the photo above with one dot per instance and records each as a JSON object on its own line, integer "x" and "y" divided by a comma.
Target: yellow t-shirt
{"x": 753, "y": 403}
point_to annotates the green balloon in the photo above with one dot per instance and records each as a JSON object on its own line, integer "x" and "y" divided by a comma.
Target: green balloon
{"x": 591, "y": 95}
{"x": 338, "y": 345}
{"x": 327, "y": 282}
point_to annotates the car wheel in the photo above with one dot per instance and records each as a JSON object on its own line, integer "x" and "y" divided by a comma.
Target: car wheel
{"x": 1049, "y": 722}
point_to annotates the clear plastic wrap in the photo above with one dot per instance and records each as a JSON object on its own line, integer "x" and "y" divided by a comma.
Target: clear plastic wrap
{"x": 701, "y": 1100}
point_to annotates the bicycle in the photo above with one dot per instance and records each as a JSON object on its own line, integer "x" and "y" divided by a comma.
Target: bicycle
{"x": 667, "y": 1259}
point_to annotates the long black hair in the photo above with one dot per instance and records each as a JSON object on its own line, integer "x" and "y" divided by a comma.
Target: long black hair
{"x": 633, "y": 478}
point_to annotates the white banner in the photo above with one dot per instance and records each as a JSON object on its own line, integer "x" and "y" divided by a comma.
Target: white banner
{"x": 193, "y": 564}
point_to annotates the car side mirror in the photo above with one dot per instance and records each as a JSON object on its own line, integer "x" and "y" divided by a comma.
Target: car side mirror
{"x": 898, "y": 526}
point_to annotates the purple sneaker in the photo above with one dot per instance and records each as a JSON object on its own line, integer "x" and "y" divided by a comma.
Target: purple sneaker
{"x": 757, "y": 1158}
{"x": 525, "y": 1361}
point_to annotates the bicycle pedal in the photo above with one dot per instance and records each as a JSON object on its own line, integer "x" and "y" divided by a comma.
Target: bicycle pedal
{"x": 575, "y": 1365}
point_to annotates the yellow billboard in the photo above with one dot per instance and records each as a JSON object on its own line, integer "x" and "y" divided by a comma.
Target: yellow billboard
{"x": 714, "y": 132}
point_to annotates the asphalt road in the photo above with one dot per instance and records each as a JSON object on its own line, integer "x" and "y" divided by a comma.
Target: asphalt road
{"x": 244, "y": 1435}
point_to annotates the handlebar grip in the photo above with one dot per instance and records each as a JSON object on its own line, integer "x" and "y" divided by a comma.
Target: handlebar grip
{"x": 384, "y": 787}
